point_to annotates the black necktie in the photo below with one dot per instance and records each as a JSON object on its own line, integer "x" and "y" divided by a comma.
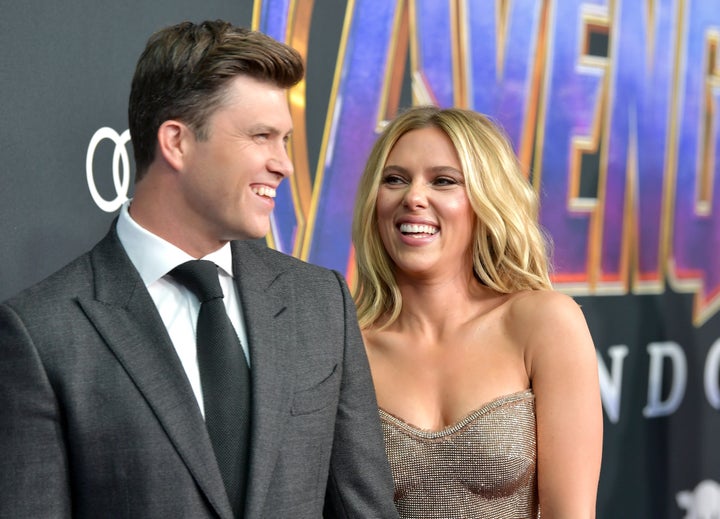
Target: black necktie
{"x": 224, "y": 375}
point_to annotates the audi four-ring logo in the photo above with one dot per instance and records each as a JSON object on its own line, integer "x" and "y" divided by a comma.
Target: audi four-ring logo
{"x": 120, "y": 168}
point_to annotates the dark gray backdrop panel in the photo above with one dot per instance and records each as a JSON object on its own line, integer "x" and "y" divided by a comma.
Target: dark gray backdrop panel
{"x": 66, "y": 71}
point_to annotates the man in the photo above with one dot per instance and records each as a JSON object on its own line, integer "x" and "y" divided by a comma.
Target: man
{"x": 107, "y": 408}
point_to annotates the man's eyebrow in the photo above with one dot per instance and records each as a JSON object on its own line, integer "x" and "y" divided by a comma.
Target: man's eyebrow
{"x": 263, "y": 128}
{"x": 266, "y": 128}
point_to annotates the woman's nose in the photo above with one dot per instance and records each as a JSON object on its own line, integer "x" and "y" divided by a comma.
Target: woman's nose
{"x": 415, "y": 196}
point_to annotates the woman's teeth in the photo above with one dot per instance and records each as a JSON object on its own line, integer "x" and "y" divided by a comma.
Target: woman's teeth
{"x": 414, "y": 228}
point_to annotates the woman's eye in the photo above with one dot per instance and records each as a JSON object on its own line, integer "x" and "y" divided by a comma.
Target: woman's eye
{"x": 392, "y": 179}
{"x": 445, "y": 181}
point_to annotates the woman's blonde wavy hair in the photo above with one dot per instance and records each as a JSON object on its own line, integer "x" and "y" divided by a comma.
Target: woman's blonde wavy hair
{"x": 510, "y": 250}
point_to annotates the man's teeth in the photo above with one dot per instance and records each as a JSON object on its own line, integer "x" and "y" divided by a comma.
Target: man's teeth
{"x": 414, "y": 228}
{"x": 264, "y": 191}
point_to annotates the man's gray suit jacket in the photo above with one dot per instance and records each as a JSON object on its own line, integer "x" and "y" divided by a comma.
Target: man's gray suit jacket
{"x": 97, "y": 417}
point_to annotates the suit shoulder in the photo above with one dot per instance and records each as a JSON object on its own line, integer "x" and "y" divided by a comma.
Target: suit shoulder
{"x": 281, "y": 261}
{"x": 106, "y": 261}
{"x": 73, "y": 279}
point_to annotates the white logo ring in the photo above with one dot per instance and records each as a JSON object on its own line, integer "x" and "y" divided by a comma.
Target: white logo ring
{"x": 121, "y": 176}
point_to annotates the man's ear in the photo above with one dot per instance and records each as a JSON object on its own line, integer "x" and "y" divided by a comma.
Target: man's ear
{"x": 173, "y": 139}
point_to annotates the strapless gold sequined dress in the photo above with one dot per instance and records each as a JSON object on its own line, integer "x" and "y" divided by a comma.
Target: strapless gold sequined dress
{"x": 483, "y": 467}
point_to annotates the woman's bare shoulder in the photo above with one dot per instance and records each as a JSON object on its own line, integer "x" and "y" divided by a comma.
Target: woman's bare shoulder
{"x": 544, "y": 307}
{"x": 548, "y": 322}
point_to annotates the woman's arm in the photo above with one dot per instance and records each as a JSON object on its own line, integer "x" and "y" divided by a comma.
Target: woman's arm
{"x": 562, "y": 364}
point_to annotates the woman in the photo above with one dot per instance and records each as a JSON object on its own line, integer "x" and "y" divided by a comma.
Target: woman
{"x": 486, "y": 378}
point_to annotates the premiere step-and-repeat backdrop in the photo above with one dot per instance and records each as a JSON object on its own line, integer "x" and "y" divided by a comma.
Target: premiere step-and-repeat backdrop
{"x": 613, "y": 107}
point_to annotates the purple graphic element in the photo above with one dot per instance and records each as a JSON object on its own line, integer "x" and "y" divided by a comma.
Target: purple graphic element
{"x": 274, "y": 18}
{"x": 641, "y": 88}
{"x": 434, "y": 43}
{"x": 503, "y": 90}
{"x": 572, "y": 92}
{"x": 355, "y": 117}
{"x": 273, "y": 22}
{"x": 696, "y": 235}
{"x": 637, "y": 132}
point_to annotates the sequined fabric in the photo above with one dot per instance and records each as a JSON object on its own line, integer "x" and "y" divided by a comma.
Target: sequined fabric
{"x": 483, "y": 467}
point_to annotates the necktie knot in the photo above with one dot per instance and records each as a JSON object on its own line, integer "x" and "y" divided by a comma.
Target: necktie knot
{"x": 200, "y": 277}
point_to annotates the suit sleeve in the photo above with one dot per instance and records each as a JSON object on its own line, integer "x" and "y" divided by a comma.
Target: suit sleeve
{"x": 33, "y": 465}
{"x": 360, "y": 483}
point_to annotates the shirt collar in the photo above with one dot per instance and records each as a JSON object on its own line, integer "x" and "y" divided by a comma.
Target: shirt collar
{"x": 153, "y": 256}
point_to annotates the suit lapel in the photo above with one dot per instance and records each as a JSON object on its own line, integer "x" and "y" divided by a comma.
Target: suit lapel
{"x": 125, "y": 315}
{"x": 266, "y": 302}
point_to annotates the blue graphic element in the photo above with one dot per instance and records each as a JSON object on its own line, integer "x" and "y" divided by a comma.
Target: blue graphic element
{"x": 640, "y": 88}
{"x": 501, "y": 65}
{"x": 572, "y": 93}
{"x": 273, "y": 22}
{"x": 696, "y": 234}
{"x": 352, "y": 133}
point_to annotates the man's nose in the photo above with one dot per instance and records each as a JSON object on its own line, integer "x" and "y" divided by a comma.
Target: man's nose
{"x": 280, "y": 163}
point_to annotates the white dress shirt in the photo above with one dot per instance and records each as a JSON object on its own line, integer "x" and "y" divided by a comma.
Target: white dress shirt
{"x": 154, "y": 258}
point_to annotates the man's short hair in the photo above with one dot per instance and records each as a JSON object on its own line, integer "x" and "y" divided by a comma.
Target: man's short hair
{"x": 183, "y": 73}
